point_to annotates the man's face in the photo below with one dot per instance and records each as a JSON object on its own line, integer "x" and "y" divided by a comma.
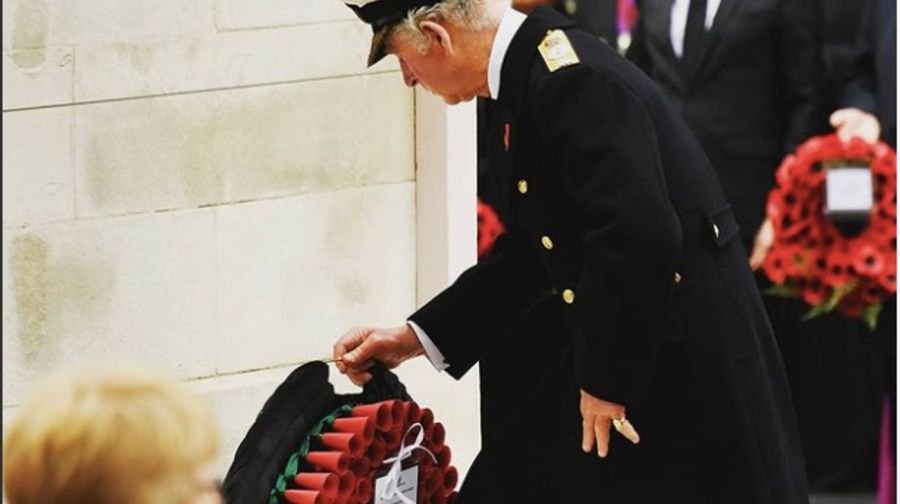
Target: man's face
{"x": 439, "y": 71}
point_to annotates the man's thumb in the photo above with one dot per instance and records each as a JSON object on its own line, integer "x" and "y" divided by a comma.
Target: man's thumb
{"x": 359, "y": 354}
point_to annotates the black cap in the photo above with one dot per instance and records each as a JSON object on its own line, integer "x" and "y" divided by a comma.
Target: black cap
{"x": 382, "y": 15}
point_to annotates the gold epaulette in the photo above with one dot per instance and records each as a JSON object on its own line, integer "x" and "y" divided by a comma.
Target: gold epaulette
{"x": 557, "y": 50}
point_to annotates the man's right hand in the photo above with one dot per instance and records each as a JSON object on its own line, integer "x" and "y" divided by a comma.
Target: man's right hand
{"x": 360, "y": 348}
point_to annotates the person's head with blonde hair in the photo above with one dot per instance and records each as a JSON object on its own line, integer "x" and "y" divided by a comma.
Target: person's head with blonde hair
{"x": 109, "y": 437}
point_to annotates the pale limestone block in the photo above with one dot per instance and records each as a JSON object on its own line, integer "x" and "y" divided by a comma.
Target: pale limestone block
{"x": 223, "y": 60}
{"x": 37, "y": 77}
{"x": 44, "y": 23}
{"x": 296, "y": 273}
{"x": 35, "y": 71}
{"x": 38, "y": 182}
{"x": 240, "y": 145}
{"x": 246, "y": 14}
{"x": 137, "y": 289}
{"x": 115, "y": 21}
{"x": 6, "y": 18}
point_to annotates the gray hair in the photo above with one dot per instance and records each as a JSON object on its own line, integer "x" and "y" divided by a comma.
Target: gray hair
{"x": 472, "y": 14}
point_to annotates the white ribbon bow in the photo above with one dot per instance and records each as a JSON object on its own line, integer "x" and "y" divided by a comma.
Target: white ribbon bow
{"x": 392, "y": 489}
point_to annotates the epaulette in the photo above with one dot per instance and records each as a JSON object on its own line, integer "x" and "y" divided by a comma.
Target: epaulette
{"x": 557, "y": 51}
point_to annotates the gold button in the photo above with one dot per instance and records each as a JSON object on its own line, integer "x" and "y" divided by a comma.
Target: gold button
{"x": 568, "y": 296}
{"x": 677, "y": 277}
{"x": 523, "y": 186}
{"x": 547, "y": 242}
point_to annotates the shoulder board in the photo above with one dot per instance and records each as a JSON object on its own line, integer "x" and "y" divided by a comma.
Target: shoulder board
{"x": 557, "y": 51}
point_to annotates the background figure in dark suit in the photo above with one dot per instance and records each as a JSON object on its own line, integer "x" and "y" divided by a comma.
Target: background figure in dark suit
{"x": 832, "y": 356}
{"x": 872, "y": 84}
{"x": 746, "y": 77}
{"x": 870, "y": 101}
{"x": 744, "y": 74}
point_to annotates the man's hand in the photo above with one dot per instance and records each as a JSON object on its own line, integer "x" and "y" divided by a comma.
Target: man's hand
{"x": 597, "y": 418}
{"x": 761, "y": 245}
{"x": 853, "y": 122}
{"x": 359, "y": 349}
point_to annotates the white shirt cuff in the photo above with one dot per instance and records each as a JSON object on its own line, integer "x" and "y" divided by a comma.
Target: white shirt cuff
{"x": 431, "y": 350}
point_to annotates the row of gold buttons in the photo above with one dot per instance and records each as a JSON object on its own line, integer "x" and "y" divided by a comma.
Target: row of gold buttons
{"x": 568, "y": 295}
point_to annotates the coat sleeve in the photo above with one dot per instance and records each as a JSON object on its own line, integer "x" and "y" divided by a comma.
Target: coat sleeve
{"x": 603, "y": 138}
{"x": 801, "y": 70}
{"x": 484, "y": 302}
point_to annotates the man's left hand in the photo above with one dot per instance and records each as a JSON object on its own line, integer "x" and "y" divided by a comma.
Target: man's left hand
{"x": 597, "y": 419}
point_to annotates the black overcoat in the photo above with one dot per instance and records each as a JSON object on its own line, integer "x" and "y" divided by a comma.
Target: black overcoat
{"x": 612, "y": 210}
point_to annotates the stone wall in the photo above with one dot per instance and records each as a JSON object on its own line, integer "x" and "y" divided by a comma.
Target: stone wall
{"x": 213, "y": 188}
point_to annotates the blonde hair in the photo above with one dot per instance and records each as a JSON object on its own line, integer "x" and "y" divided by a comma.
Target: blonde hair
{"x": 472, "y": 14}
{"x": 107, "y": 437}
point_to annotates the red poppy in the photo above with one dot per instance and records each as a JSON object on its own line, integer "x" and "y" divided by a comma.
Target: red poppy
{"x": 775, "y": 204}
{"x": 884, "y": 235}
{"x": 882, "y": 153}
{"x": 868, "y": 260}
{"x": 852, "y": 305}
{"x": 807, "y": 154}
{"x": 819, "y": 263}
{"x": 800, "y": 262}
{"x": 774, "y": 266}
{"x": 815, "y": 292}
{"x": 784, "y": 175}
{"x": 837, "y": 272}
{"x": 871, "y": 293}
{"x": 887, "y": 204}
{"x": 888, "y": 281}
{"x": 857, "y": 148}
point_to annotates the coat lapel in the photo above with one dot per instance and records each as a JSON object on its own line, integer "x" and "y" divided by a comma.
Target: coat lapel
{"x": 658, "y": 15}
{"x": 724, "y": 15}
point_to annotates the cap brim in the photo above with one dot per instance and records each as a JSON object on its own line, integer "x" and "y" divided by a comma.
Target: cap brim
{"x": 379, "y": 50}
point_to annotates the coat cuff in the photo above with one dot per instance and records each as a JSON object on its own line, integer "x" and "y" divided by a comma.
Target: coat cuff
{"x": 431, "y": 350}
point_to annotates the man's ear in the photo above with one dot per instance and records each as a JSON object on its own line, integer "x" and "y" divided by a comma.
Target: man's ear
{"x": 439, "y": 35}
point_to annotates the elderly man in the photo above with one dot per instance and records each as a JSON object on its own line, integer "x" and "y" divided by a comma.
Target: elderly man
{"x": 616, "y": 214}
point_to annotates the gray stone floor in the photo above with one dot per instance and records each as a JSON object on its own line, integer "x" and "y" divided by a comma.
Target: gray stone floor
{"x": 843, "y": 499}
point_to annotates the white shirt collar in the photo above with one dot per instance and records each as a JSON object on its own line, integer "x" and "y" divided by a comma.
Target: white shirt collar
{"x": 509, "y": 25}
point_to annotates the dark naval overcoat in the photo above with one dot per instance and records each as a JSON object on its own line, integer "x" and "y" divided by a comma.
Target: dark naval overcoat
{"x": 616, "y": 226}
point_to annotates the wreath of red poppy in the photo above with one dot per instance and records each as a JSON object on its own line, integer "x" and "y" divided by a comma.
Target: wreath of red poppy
{"x": 343, "y": 454}
{"x": 810, "y": 257}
